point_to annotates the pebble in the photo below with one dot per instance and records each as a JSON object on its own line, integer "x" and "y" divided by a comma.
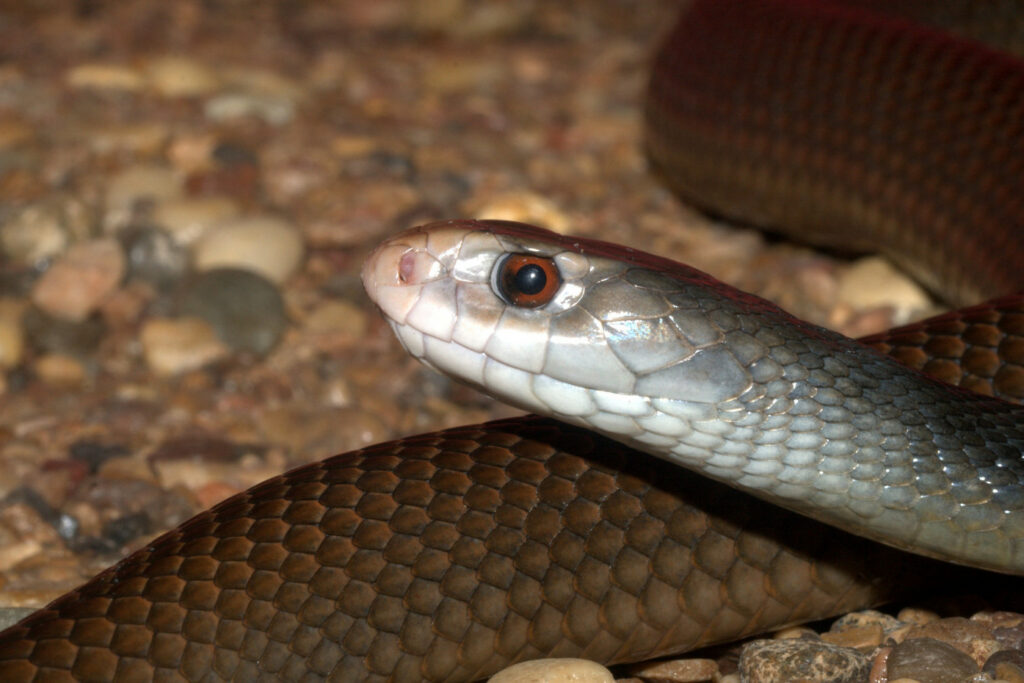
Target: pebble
{"x": 1006, "y": 665}
{"x": 266, "y": 245}
{"x": 566, "y": 670}
{"x": 58, "y": 369}
{"x": 48, "y": 333}
{"x": 80, "y": 279}
{"x": 188, "y": 219}
{"x": 177, "y": 76}
{"x": 872, "y": 282}
{"x": 337, "y": 318}
{"x": 525, "y": 207}
{"x": 245, "y": 309}
{"x": 971, "y": 637}
{"x": 677, "y": 671}
{"x": 783, "y": 661}
{"x": 172, "y": 346}
{"x": 153, "y": 255}
{"x": 276, "y": 111}
{"x": 143, "y": 138}
{"x": 12, "y": 337}
{"x": 928, "y": 659}
{"x": 105, "y": 77}
{"x": 34, "y": 235}
{"x": 137, "y": 184}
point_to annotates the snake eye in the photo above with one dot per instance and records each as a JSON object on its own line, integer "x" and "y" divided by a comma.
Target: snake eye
{"x": 526, "y": 280}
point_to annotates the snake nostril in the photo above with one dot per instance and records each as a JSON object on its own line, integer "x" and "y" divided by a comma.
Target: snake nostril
{"x": 407, "y": 266}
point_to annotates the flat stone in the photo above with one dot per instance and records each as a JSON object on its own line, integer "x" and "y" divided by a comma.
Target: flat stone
{"x": 928, "y": 659}
{"x": 782, "y": 661}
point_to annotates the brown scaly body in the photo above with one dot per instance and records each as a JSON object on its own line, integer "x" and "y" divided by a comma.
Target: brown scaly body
{"x": 448, "y": 556}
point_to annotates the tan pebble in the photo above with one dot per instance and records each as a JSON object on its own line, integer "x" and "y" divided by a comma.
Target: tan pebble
{"x": 90, "y": 523}
{"x": 677, "y": 671}
{"x": 58, "y": 369}
{"x": 176, "y": 76}
{"x": 795, "y": 632}
{"x": 192, "y": 474}
{"x": 23, "y": 534}
{"x": 192, "y": 152}
{"x": 126, "y": 467}
{"x": 138, "y": 138}
{"x": 873, "y": 282}
{"x": 136, "y": 184}
{"x": 554, "y": 671}
{"x": 525, "y": 207}
{"x": 262, "y": 244}
{"x": 12, "y": 337}
{"x": 214, "y": 492}
{"x": 81, "y": 279}
{"x": 105, "y": 77}
{"x": 339, "y": 317}
{"x": 999, "y": 619}
{"x": 917, "y": 615}
{"x": 187, "y": 220}
{"x": 860, "y": 637}
{"x": 14, "y": 132}
{"x": 353, "y": 146}
{"x": 176, "y": 345}
{"x": 34, "y": 234}
{"x": 264, "y": 82}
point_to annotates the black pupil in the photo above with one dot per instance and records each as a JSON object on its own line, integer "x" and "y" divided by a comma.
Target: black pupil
{"x": 530, "y": 279}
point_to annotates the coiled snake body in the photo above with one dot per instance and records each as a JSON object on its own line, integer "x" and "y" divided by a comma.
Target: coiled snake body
{"x": 450, "y": 555}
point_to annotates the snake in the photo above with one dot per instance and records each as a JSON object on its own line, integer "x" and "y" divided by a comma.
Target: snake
{"x": 449, "y": 555}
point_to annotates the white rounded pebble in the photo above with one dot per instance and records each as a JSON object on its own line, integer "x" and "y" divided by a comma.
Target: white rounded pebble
{"x": 105, "y": 77}
{"x": 187, "y": 220}
{"x": 81, "y": 279}
{"x": 176, "y": 76}
{"x": 265, "y": 245}
{"x": 554, "y": 671}
{"x": 175, "y": 345}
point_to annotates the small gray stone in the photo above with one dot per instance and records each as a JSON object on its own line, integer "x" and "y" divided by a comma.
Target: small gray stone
{"x": 780, "y": 661}
{"x": 246, "y": 310}
{"x": 153, "y": 255}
